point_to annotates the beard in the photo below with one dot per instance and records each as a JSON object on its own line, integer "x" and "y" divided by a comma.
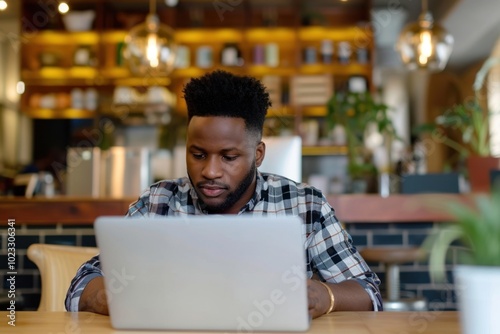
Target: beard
{"x": 233, "y": 196}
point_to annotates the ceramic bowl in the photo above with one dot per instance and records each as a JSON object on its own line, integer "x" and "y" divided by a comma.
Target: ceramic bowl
{"x": 79, "y": 20}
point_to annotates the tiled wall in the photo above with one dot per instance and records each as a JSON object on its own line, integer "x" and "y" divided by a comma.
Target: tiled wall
{"x": 414, "y": 276}
{"x": 28, "y": 277}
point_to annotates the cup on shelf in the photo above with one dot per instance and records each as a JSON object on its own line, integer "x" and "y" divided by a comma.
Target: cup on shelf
{"x": 327, "y": 51}
{"x": 77, "y": 98}
{"x": 91, "y": 99}
{"x": 204, "y": 56}
{"x": 83, "y": 56}
{"x": 362, "y": 55}
{"x": 157, "y": 94}
{"x": 310, "y": 55}
{"x": 182, "y": 58}
{"x": 34, "y": 100}
{"x": 310, "y": 132}
{"x": 272, "y": 55}
{"x": 48, "y": 101}
{"x": 123, "y": 95}
{"x": 258, "y": 54}
{"x": 344, "y": 52}
{"x": 63, "y": 100}
{"x": 230, "y": 55}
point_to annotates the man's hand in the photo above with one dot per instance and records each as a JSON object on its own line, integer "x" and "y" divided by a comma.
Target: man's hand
{"x": 93, "y": 298}
{"x": 319, "y": 300}
{"x": 349, "y": 296}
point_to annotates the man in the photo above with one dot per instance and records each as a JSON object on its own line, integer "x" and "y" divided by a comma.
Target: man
{"x": 223, "y": 151}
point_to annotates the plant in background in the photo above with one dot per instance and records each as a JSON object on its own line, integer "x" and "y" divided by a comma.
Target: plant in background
{"x": 469, "y": 119}
{"x": 476, "y": 272}
{"x": 472, "y": 122}
{"x": 477, "y": 229}
{"x": 356, "y": 113}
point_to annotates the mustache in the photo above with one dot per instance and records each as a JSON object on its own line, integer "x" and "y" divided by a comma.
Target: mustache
{"x": 211, "y": 184}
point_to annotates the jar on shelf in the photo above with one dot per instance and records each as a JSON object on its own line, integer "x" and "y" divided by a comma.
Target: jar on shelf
{"x": 327, "y": 51}
{"x": 258, "y": 54}
{"x": 91, "y": 99}
{"x": 362, "y": 55}
{"x": 77, "y": 98}
{"x": 231, "y": 55}
{"x": 84, "y": 56}
{"x": 310, "y": 55}
{"x": 344, "y": 52}
{"x": 183, "y": 57}
{"x": 272, "y": 55}
{"x": 204, "y": 56}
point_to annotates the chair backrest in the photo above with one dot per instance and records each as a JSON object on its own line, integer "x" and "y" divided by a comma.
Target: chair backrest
{"x": 58, "y": 265}
{"x": 26, "y": 183}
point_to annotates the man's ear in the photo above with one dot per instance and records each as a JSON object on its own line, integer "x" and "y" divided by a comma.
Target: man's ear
{"x": 260, "y": 152}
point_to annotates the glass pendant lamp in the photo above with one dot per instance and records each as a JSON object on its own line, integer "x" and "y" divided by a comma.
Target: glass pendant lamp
{"x": 425, "y": 44}
{"x": 150, "y": 47}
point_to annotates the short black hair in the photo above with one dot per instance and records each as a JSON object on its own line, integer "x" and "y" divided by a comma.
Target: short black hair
{"x": 220, "y": 93}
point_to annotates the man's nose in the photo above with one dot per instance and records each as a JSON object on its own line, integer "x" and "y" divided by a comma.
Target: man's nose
{"x": 212, "y": 168}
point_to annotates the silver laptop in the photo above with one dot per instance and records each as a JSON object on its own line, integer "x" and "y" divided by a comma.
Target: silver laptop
{"x": 224, "y": 273}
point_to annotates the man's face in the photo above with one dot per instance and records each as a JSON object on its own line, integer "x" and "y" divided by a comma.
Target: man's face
{"x": 222, "y": 158}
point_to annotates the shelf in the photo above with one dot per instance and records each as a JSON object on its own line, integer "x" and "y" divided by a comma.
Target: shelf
{"x": 314, "y": 111}
{"x": 270, "y": 35}
{"x": 52, "y": 37}
{"x": 208, "y": 36}
{"x": 261, "y": 70}
{"x": 284, "y": 111}
{"x": 114, "y": 36}
{"x": 121, "y": 76}
{"x": 337, "y": 69}
{"x": 59, "y": 113}
{"x": 120, "y": 109}
{"x": 59, "y": 74}
{"x": 106, "y": 75}
{"x": 314, "y": 34}
{"x": 323, "y": 150}
{"x": 199, "y": 35}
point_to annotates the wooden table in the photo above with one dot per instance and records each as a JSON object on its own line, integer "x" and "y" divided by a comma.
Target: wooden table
{"x": 442, "y": 322}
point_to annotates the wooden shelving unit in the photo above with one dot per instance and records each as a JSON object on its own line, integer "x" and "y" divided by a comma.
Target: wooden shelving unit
{"x": 105, "y": 42}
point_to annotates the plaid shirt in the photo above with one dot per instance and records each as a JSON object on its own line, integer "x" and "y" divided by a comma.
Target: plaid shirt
{"x": 330, "y": 253}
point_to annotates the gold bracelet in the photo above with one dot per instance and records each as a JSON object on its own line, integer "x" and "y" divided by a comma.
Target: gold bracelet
{"x": 332, "y": 298}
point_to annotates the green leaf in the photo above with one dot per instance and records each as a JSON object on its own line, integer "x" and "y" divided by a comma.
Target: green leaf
{"x": 437, "y": 245}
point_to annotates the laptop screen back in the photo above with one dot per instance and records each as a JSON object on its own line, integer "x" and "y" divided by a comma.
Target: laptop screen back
{"x": 235, "y": 273}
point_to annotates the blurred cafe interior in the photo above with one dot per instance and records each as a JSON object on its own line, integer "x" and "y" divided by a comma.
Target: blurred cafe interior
{"x": 372, "y": 100}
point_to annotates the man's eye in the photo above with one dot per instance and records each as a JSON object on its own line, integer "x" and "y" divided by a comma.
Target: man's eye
{"x": 230, "y": 157}
{"x": 198, "y": 155}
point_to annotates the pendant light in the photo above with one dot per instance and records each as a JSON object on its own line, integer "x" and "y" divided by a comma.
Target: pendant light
{"x": 425, "y": 44}
{"x": 150, "y": 47}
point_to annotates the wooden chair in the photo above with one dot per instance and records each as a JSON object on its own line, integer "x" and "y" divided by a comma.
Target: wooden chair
{"x": 394, "y": 257}
{"x": 58, "y": 265}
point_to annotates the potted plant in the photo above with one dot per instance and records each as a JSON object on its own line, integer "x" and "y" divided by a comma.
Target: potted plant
{"x": 477, "y": 275}
{"x": 359, "y": 113}
{"x": 471, "y": 121}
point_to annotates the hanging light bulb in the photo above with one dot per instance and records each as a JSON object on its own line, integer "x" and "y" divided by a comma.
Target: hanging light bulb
{"x": 3, "y": 5}
{"x": 425, "y": 44}
{"x": 150, "y": 47}
{"x": 63, "y": 7}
